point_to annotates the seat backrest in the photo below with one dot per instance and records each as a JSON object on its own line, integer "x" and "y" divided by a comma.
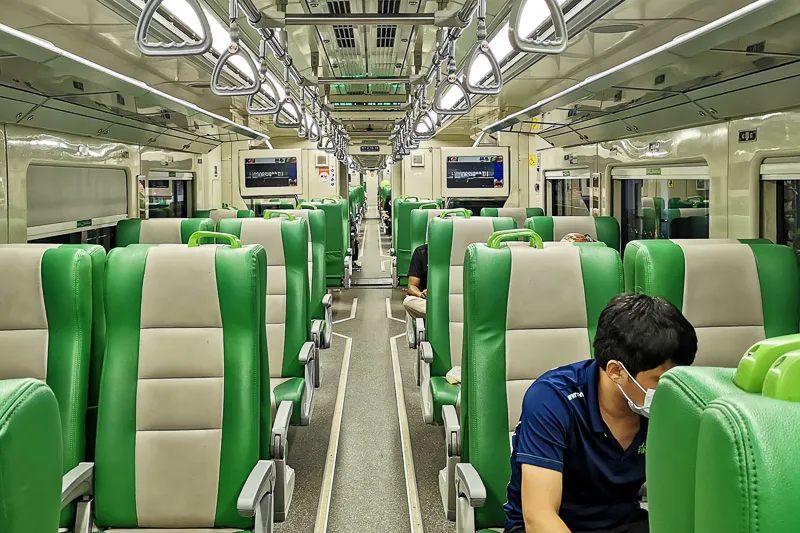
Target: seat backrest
{"x": 181, "y": 401}
{"x": 604, "y": 229}
{"x": 46, "y": 330}
{"x": 315, "y": 219}
{"x": 632, "y": 252}
{"x": 401, "y": 231}
{"x": 733, "y": 294}
{"x": 419, "y": 223}
{"x": 30, "y": 457}
{"x": 218, "y": 214}
{"x": 519, "y": 214}
{"x": 336, "y": 238}
{"x": 287, "y": 318}
{"x": 509, "y": 342}
{"x": 448, "y": 239}
{"x": 160, "y": 230}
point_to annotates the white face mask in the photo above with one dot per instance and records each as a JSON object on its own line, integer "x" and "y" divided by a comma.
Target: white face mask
{"x": 643, "y": 410}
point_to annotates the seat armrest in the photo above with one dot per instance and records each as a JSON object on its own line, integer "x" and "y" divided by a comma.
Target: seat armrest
{"x": 469, "y": 485}
{"x": 77, "y": 483}
{"x": 317, "y": 328}
{"x": 349, "y": 252}
{"x": 419, "y": 326}
{"x": 452, "y": 430}
{"x": 280, "y": 430}
{"x": 327, "y": 301}
{"x": 426, "y": 352}
{"x": 259, "y": 484}
{"x": 391, "y": 252}
{"x": 306, "y": 354}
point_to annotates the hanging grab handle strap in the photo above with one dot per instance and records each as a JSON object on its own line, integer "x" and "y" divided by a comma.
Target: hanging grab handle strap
{"x": 254, "y": 106}
{"x": 452, "y": 80}
{"x": 482, "y": 49}
{"x": 498, "y": 237}
{"x": 197, "y": 236}
{"x": 234, "y": 50}
{"x": 189, "y": 48}
{"x": 288, "y": 106}
{"x": 522, "y": 43}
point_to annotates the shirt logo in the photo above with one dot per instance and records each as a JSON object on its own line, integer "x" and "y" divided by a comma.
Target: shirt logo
{"x": 575, "y": 395}
{"x": 642, "y": 449}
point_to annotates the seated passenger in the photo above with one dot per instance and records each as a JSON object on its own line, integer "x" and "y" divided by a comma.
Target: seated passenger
{"x": 578, "y": 458}
{"x": 415, "y": 303}
{"x": 577, "y": 237}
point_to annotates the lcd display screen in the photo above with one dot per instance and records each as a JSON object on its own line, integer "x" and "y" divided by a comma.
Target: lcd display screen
{"x": 475, "y": 172}
{"x": 270, "y": 172}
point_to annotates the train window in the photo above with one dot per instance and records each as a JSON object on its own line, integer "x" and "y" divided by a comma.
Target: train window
{"x": 662, "y": 203}
{"x": 65, "y": 200}
{"x": 169, "y": 194}
{"x": 105, "y": 237}
{"x": 569, "y": 192}
{"x": 780, "y": 188}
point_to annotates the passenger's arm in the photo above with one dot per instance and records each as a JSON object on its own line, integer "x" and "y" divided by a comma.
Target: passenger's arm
{"x": 413, "y": 287}
{"x": 541, "y": 499}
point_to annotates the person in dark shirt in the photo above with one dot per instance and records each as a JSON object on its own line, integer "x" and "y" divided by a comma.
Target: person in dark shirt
{"x": 416, "y": 303}
{"x": 579, "y": 449}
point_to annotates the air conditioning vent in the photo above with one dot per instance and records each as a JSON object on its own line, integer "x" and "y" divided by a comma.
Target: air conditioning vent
{"x": 418, "y": 160}
{"x": 339, "y": 7}
{"x": 388, "y": 7}
{"x": 386, "y": 35}
{"x": 322, "y": 160}
{"x": 345, "y": 37}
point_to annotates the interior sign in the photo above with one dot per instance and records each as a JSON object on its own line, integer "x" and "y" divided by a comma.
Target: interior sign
{"x": 748, "y": 136}
{"x": 371, "y": 149}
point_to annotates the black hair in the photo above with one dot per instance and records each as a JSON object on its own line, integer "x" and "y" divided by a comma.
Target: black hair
{"x": 643, "y": 332}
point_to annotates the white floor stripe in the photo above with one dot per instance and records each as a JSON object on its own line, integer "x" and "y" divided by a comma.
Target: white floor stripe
{"x": 353, "y": 308}
{"x": 412, "y": 493}
{"x": 323, "y": 511}
{"x": 389, "y": 311}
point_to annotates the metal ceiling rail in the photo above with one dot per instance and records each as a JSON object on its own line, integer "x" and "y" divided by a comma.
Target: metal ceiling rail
{"x": 325, "y": 19}
{"x": 364, "y": 81}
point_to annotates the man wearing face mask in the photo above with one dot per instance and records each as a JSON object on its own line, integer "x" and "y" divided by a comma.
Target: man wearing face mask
{"x": 579, "y": 449}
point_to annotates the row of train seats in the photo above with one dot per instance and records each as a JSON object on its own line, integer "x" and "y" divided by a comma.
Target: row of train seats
{"x": 338, "y": 253}
{"x": 401, "y": 250}
{"x": 384, "y": 205}
{"x": 679, "y": 219}
{"x": 358, "y": 202}
{"x": 735, "y": 293}
{"x": 143, "y": 351}
{"x": 218, "y": 214}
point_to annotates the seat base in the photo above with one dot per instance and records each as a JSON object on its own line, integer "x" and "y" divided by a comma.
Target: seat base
{"x": 288, "y": 390}
{"x": 444, "y": 492}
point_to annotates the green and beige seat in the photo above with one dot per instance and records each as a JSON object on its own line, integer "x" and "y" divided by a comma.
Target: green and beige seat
{"x": 30, "y": 457}
{"x": 733, "y": 294}
{"x": 604, "y": 229}
{"x": 629, "y": 258}
{"x": 321, "y": 301}
{"x": 182, "y": 426}
{"x": 218, "y": 214}
{"x": 401, "y": 234}
{"x": 97, "y": 254}
{"x": 160, "y": 230}
{"x": 440, "y": 353}
{"x": 509, "y": 341}
{"x": 46, "y": 333}
{"x": 419, "y": 235}
{"x": 677, "y": 421}
{"x": 293, "y": 355}
{"x": 519, "y": 214}
{"x": 338, "y": 255}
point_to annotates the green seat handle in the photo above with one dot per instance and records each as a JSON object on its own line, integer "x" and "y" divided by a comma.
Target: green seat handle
{"x": 335, "y": 197}
{"x": 329, "y": 201}
{"x": 514, "y": 234}
{"x": 194, "y": 240}
{"x": 272, "y": 214}
{"x": 410, "y": 198}
{"x": 783, "y": 378}
{"x": 306, "y": 205}
{"x": 460, "y": 212}
{"x": 431, "y": 205}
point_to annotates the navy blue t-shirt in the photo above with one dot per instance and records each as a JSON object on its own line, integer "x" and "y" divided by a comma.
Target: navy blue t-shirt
{"x": 561, "y": 429}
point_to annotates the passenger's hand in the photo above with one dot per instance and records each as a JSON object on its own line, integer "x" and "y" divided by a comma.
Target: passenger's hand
{"x": 425, "y": 293}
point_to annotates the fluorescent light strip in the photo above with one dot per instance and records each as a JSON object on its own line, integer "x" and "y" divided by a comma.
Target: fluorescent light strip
{"x": 69, "y": 55}
{"x": 739, "y": 13}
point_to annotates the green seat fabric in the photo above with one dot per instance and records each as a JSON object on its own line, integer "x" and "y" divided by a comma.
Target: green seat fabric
{"x": 337, "y": 238}
{"x": 401, "y": 232}
{"x": 519, "y": 214}
{"x": 733, "y": 294}
{"x": 632, "y": 251}
{"x": 181, "y": 401}
{"x": 218, "y": 214}
{"x": 160, "y": 231}
{"x": 444, "y": 393}
{"x": 317, "y": 265}
{"x": 448, "y": 239}
{"x": 288, "y": 320}
{"x": 46, "y": 332}
{"x": 605, "y": 229}
{"x": 419, "y": 224}
{"x": 509, "y": 341}
{"x": 30, "y": 457}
